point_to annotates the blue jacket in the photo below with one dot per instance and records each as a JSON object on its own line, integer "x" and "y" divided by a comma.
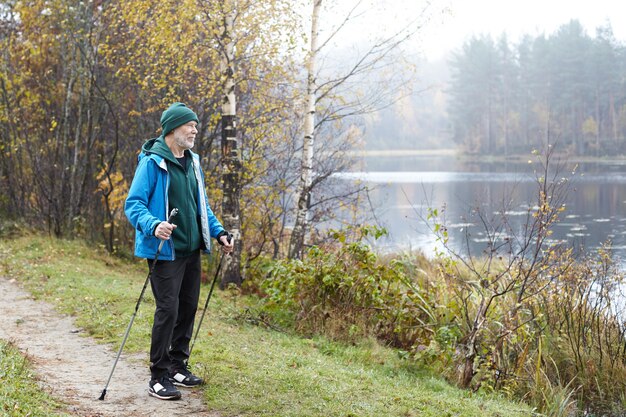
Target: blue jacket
{"x": 147, "y": 205}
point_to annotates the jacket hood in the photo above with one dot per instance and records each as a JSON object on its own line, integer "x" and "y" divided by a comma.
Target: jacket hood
{"x": 158, "y": 146}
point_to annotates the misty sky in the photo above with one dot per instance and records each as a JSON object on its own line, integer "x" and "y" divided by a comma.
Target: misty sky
{"x": 515, "y": 17}
{"x": 451, "y": 22}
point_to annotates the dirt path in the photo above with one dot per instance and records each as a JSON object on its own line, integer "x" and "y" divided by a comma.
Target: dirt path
{"x": 75, "y": 368}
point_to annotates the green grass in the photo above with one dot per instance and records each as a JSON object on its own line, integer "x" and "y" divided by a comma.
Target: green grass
{"x": 250, "y": 370}
{"x": 20, "y": 394}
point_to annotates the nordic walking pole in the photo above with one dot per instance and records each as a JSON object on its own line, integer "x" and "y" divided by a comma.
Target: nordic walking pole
{"x": 173, "y": 213}
{"x": 206, "y": 305}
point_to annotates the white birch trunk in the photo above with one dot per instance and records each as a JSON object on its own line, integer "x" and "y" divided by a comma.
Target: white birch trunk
{"x": 231, "y": 158}
{"x": 298, "y": 237}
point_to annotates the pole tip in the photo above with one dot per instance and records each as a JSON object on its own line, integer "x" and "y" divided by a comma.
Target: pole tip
{"x": 104, "y": 392}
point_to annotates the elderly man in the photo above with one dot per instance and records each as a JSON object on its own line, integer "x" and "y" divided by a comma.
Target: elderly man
{"x": 169, "y": 176}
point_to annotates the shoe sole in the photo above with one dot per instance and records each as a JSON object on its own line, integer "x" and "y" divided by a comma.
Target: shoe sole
{"x": 161, "y": 397}
{"x": 180, "y": 384}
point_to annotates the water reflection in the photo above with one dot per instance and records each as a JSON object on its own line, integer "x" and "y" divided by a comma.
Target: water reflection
{"x": 403, "y": 190}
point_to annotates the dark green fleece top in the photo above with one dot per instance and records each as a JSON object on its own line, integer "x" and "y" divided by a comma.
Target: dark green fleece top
{"x": 182, "y": 194}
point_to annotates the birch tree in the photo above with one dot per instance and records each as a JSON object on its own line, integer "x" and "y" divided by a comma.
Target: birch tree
{"x": 346, "y": 92}
{"x": 253, "y": 41}
{"x": 231, "y": 159}
{"x": 306, "y": 170}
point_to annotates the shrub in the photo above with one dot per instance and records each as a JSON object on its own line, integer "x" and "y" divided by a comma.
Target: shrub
{"x": 346, "y": 291}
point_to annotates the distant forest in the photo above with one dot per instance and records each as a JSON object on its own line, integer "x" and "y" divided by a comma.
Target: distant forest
{"x": 568, "y": 88}
{"x": 502, "y": 98}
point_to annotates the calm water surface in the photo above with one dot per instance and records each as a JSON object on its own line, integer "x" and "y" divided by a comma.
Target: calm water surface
{"x": 404, "y": 188}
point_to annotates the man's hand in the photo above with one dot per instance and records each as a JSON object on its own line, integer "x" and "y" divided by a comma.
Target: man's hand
{"x": 227, "y": 243}
{"x": 164, "y": 230}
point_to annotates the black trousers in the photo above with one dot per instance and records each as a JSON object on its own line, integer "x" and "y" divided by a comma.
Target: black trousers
{"x": 176, "y": 288}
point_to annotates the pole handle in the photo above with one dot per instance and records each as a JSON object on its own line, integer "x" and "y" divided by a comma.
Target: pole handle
{"x": 173, "y": 214}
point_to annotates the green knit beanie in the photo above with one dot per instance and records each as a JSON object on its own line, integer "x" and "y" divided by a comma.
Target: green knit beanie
{"x": 176, "y": 115}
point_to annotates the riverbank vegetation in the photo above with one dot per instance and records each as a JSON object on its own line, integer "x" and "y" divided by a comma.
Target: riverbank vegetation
{"x": 558, "y": 343}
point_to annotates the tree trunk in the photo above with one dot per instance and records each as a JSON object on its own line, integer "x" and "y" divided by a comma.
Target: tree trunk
{"x": 597, "y": 117}
{"x": 231, "y": 159}
{"x": 468, "y": 366}
{"x": 469, "y": 346}
{"x": 298, "y": 236}
{"x": 613, "y": 117}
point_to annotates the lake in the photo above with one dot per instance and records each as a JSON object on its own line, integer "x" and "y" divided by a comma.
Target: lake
{"x": 404, "y": 188}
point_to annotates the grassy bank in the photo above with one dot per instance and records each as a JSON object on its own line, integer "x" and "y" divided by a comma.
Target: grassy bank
{"x": 19, "y": 393}
{"x": 250, "y": 370}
